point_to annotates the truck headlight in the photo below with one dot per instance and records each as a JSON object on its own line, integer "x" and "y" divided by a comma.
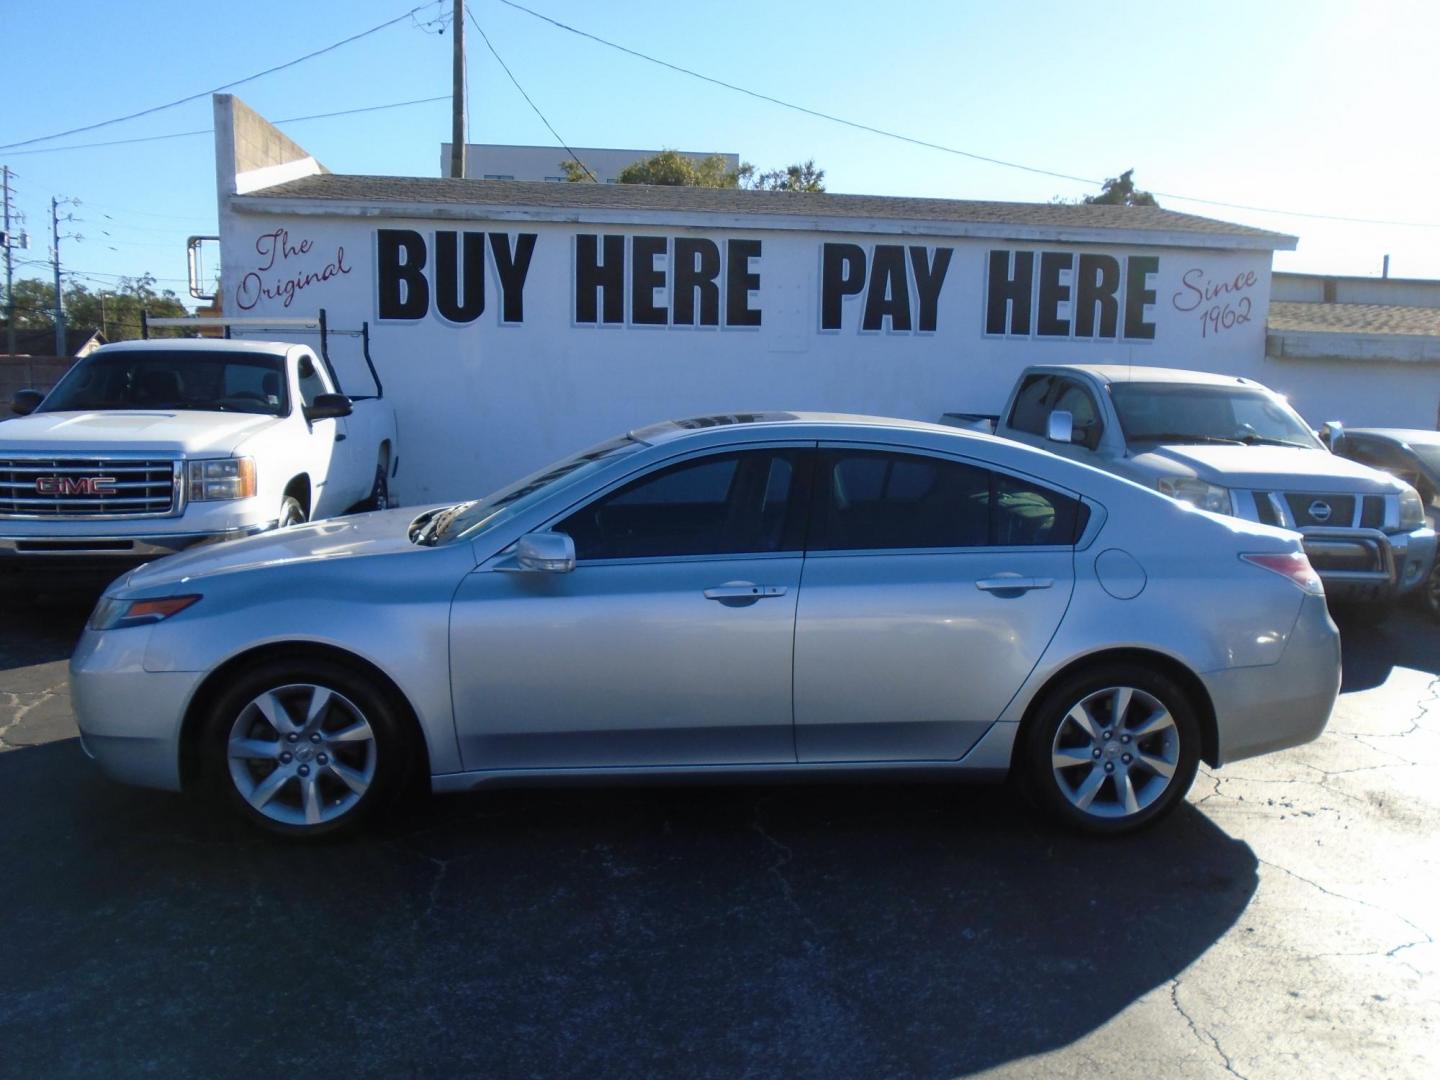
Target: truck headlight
{"x": 1198, "y": 493}
{"x": 221, "y": 478}
{"x": 1412, "y": 509}
{"x": 111, "y": 613}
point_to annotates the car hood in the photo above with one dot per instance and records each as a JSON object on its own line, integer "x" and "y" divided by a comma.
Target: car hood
{"x": 1265, "y": 467}
{"x": 380, "y": 533}
{"x": 132, "y": 431}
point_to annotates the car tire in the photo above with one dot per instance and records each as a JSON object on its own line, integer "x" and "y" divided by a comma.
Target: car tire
{"x": 380, "y": 492}
{"x": 1430, "y": 593}
{"x": 1103, "y": 773}
{"x": 305, "y": 749}
{"x": 291, "y": 512}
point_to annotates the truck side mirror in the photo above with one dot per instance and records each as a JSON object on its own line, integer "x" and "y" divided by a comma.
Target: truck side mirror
{"x": 24, "y": 402}
{"x": 328, "y": 407}
{"x": 1332, "y": 434}
{"x": 1060, "y": 427}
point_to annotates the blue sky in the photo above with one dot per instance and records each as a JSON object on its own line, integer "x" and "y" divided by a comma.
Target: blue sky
{"x": 1326, "y": 108}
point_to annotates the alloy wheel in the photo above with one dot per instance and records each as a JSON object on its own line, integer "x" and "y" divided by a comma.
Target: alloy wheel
{"x": 1115, "y": 752}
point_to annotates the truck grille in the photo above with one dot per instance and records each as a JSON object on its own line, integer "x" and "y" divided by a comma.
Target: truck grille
{"x": 87, "y": 487}
{"x": 1307, "y": 510}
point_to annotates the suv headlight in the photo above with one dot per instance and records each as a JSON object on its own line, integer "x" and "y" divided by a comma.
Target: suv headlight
{"x": 111, "y": 613}
{"x": 220, "y": 478}
{"x": 1198, "y": 493}
{"x": 1412, "y": 509}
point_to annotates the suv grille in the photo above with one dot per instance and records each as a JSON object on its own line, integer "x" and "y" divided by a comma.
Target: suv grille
{"x": 84, "y": 487}
{"x": 1335, "y": 511}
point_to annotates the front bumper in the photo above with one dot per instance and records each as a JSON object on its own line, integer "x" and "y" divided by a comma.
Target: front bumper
{"x": 85, "y": 561}
{"x": 1368, "y": 564}
{"x": 1260, "y": 709}
{"x": 129, "y": 718}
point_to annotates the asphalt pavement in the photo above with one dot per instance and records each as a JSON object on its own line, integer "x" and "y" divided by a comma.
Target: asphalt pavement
{"x": 1282, "y": 924}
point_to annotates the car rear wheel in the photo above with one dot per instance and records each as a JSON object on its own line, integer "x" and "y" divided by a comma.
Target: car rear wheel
{"x": 1113, "y": 749}
{"x": 305, "y": 749}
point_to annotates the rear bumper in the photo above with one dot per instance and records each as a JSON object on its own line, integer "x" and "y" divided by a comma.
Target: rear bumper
{"x": 1260, "y": 709}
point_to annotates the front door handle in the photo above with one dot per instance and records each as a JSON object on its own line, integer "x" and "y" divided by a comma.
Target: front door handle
{"x": 1013, "y": 583}
{"x": 743, "y": 591}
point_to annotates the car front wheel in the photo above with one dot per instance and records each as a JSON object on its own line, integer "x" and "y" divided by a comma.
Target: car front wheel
{"x": 1112, "y": 750}
{"x": 305, "y": 749}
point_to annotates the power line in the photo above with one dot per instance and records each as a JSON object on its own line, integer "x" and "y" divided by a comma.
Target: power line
{"x": 225, "y": 86}
{"x": 485, "y": 37}
{"x": 211, "y": 131}
{"x": 940, "y": 146}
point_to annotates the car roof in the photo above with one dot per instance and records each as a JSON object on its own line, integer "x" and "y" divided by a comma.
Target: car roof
{"x": 1143, "y": 373}
{"x": 1414, "y": 436}
{"x": 808, "y": 424}
{"x": 236, "y": 345}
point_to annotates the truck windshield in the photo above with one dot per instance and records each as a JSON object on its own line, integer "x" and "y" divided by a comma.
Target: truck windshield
{"x": 174, "y": 379}
{"x": 1183, "y": 413}
{"x": 470, "y": 519}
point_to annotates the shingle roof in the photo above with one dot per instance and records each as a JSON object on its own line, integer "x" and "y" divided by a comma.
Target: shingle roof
{"x": 1298, "y": 317}
{"x": 641, "y": 197}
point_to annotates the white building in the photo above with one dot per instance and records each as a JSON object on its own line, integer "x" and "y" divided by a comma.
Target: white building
{"x": 514, "y": 322}
{"x": 486, "y": 161}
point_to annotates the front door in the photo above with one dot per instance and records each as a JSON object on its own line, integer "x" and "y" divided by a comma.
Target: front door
{"x": 670, "y": 643}
{"x": 931, "y": 588}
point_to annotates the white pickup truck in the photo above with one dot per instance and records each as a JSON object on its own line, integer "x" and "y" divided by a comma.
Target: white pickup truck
{"x": 1231, "y": 446}
{"x": 147, "y": 447}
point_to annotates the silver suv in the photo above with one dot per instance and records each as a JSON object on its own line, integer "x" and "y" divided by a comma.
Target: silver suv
{"x": 1232, "y": 446}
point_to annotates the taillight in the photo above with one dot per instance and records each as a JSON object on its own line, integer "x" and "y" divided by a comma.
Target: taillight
{"x": 1293, "y": 565}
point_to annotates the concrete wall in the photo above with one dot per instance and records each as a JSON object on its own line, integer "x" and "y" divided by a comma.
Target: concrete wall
{"x": 1330, "y": 289}
{"x": 251, "y": 153}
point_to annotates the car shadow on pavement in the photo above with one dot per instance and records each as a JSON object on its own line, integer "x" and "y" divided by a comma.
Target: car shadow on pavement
{"x": 832, "y": 931}
{"x": 1407, "y": 639}
{"x": 41, "y": 631}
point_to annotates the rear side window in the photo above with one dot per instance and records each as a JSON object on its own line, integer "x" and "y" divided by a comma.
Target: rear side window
{"x": 874, "y": 500}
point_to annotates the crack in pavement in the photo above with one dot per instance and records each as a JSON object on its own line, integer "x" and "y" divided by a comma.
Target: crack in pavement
{"x": 786, "y": 855}
{"x": 21, "y": 711}
{"x": 1204, "y": 1036}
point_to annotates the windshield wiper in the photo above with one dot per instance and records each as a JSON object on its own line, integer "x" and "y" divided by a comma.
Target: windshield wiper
{"x": 1183, "y": 437}
{"x": 436, "y": 527}
{"x": 1264, "y": 440}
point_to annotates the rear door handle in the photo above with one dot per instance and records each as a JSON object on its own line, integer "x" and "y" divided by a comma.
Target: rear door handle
{"x": 743, "y": 590}
{"x": 1013, "y": 583}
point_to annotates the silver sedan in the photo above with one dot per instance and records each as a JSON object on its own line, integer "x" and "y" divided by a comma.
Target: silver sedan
{"x": 770, "y": 595}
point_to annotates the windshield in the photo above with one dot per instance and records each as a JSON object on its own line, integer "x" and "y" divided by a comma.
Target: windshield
{"x": 1429, "y": 455}
{"x": 171, "y": 379}
{"x": 1181, "y": 413}
{"x": 471, "y": 519}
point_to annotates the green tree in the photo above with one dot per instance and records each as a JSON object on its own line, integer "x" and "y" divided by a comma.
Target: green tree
{"x": 802, "y": 176}
{"x": 1121, "y": 191}
{"x": 673, "y": 169}
{"x": 113, "y": 311}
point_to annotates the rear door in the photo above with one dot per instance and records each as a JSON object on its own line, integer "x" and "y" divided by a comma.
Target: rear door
{"x": 931, "y": 587}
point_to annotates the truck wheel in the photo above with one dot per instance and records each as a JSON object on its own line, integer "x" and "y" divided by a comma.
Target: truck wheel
{"x": 380, "y": 493}
{"x": 1112, "y": 749}
{"x": 305, "y": 749}
{"x": 1430, "y": 593}
{"x": 291, "y": 512}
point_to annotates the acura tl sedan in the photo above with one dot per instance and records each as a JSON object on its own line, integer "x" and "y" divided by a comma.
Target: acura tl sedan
{"x": 757, "y": 596}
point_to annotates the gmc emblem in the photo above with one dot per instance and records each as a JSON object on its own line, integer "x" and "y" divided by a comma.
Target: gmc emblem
{"x": 75, "y": 485}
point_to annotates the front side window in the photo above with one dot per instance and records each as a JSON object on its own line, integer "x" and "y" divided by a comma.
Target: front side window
{"x": 1030, "y": 410}
{"x": 1085, "y": 414}
{"x": 877, "y": 500}
{"x": 721, "y": 504}
{"x": 312, "y": 381}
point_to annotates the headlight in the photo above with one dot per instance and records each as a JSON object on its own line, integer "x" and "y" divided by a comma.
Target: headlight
{"x": 1412, "y": 509}
{"x": 1198, "y": 493}
{"x": 111, "y": 613}
{"x": 221, "y": 478}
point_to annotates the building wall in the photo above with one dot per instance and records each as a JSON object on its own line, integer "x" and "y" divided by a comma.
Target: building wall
{"x": 485, "y": 397}
{"x": 1331, "y": 289}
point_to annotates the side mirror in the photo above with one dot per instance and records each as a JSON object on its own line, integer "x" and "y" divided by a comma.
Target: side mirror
{"x": 328, "y": 407}
{"x": 1060, "y": 427}
{"x": 1332, "y": 434}
{"x": 545, "y": 552}
{"x": 24, "y": 402}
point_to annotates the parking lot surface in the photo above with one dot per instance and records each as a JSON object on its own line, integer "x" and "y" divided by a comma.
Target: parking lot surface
{"x": 1283, "y": 924}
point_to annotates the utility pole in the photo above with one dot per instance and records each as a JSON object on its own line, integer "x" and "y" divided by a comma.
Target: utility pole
{"x": 9, "y": 271}
{"x": 457, "y": 108}
{"x": 55, "y": 203}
